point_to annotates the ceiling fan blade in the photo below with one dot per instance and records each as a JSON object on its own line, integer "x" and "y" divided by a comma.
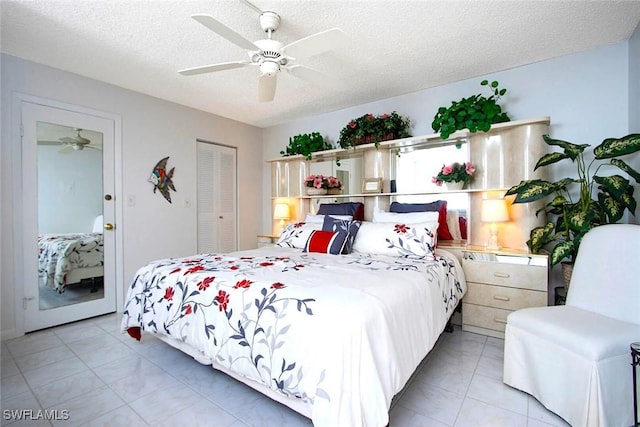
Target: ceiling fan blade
{"x": 67, "y": 149}
{"x": 218, "y": 27}
{"x": 50, "y": 142}
{"x": 94, "y": 147}
{"x": 68, "y": 140}
{"x": 306, "y": 73}
{"x": 214, "y": 67}
{"x": 316, "y": 43}
{"x": 267, "y": 87}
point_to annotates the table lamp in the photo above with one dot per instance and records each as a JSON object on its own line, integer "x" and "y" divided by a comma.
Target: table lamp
{"x": 281, "y": 212}
{"x": 494, "y": 211}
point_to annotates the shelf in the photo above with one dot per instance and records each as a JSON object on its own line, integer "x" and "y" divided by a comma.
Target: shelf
{"x": 420, "y": 193}
{"x": 411, "y": 141}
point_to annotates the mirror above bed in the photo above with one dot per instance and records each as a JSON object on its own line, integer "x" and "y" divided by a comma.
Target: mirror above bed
{"x": 413, "y": 167}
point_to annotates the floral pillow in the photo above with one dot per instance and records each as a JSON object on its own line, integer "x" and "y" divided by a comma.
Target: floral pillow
{"x": 397, "y": 239}
{"x": 439, "y": 206}
{"x": 296, "y": 235}
{"x": 326, "y": 242}
{"x": 348, "y": 228}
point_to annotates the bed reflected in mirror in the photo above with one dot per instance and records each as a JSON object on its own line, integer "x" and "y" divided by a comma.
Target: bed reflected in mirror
{"x": 414, "y": 168}
{"x": 70, "y": 224}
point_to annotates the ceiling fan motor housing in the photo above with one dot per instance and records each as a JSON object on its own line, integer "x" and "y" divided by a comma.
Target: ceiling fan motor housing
{"x": 269, "y": 57}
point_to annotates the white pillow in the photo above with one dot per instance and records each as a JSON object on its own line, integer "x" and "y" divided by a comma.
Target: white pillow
{"x": 397, "y": 239}
{"x": 405, "y": 218}
{"x": 320, "y": 218}
{"x": 296, "y": 235}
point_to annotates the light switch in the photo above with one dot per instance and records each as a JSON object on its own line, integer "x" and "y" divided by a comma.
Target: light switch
{"x": 131, "y": 200}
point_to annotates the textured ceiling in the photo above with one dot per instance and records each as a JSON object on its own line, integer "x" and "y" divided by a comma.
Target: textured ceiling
{"x": 395, "y": 47}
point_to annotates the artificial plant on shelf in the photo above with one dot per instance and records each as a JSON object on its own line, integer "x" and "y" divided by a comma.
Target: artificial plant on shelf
{"x": 601, "y": 199}
{"x": 369, "y": 128}
{"x": 455, "y": 172}
{"x": 306, "y": 144}
{"x": 476, "y": 113}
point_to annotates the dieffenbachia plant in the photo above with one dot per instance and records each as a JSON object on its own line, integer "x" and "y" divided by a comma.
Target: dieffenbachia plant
{"x": 602, "y": 199}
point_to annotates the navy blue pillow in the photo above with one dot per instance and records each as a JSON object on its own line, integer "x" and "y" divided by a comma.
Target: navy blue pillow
{"x": 355, "y": 209}
{"x": 415, "y": 207}
{"x": 344, "y": 227}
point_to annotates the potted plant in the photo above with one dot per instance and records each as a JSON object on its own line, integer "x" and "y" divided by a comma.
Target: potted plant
{"x": 476, "y": 113}
{"x": 369, "y": 128}
{"x": 457, "y": 175}
{"x": 334, "y": 186}
{"x": 597, "y": 199}
{"x": 306, "y": 144}
{"x": 318, "y": 185}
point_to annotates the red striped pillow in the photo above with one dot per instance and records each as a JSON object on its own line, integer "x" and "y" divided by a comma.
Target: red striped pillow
{"x": 326, "y": 242}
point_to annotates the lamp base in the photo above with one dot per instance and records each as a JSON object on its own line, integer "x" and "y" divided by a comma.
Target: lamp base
{"x": 492, "y": 243}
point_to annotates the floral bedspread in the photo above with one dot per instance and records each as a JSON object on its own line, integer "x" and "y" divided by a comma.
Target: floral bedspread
{"x": 341, "y": 333}
{"x": 60, "y": 253}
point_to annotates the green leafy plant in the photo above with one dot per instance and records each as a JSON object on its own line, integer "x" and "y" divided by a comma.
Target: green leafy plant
{"x": 370, "y": 128}
{"x": 306, "y": 144}
{"x": 476, "y": 113}
{"x": 571, "y": 219}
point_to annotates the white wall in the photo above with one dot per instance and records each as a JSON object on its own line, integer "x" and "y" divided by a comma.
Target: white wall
{"x": 634, "y": 101}
{"x": 151, "y": 129}
{"x": 69, "y": 190}
{"x": 634, "y": 81}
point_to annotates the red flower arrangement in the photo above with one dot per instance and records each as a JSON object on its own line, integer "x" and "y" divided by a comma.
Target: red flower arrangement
{"x": 455, "y": 172}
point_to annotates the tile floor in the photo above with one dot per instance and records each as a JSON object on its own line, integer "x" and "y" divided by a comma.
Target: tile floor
{"x": 104, "y": 378}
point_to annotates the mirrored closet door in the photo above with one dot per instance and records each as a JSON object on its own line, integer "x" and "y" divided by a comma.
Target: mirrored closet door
{"x": 69, "y": 216}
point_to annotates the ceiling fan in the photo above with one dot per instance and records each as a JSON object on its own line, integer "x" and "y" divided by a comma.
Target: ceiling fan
{"x": 269, "y": 55}
{"x": 72, "y": 143}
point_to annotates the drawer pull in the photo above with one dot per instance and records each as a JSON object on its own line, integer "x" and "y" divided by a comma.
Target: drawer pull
{"x": 505, "y": 275}
{"x": 501, "y": 298}
{"x": 498, "y": 320}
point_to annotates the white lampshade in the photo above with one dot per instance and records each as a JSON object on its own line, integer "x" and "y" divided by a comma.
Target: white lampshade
{"x": 494, "y": 210}
{"x": 281, "y": 211}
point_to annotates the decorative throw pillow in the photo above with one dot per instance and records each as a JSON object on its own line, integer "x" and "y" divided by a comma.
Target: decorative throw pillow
{"x": 385, "y": 238}
{"x": 406, "y": 218}
{"x": 320, "y": 218}
{"x": 296, "y": 235}
{"x": 349, "y": 228}
{"x": 355, "y": 209}
{"x": 326, "y": 242}
{"x": 439, "y": 206}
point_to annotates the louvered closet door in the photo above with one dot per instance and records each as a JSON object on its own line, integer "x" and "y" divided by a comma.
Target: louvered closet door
{"x": 217, "y": 198}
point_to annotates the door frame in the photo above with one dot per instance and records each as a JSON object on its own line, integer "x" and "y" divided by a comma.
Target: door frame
{"x": 19, "y": 198}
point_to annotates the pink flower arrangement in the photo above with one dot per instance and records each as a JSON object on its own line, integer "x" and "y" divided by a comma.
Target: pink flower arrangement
{"x": 321, "y": 181}
{"x": 455, "y": 172}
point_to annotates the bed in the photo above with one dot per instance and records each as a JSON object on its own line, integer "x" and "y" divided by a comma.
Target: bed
{"x": 66, "y": 259}
{"x": 334, "y": 336}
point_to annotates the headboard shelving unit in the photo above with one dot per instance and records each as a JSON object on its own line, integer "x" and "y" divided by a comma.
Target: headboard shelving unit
{"x": 503, "y": 156}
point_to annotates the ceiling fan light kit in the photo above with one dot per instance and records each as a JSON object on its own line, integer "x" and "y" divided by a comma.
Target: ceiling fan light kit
{"x": 270, "y": 55}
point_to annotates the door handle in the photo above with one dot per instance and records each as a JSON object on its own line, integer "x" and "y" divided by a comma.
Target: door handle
{"x": 109, "y": 226}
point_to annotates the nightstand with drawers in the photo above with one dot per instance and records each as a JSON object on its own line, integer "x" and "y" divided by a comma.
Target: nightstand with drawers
{"x": 499, "y": 282}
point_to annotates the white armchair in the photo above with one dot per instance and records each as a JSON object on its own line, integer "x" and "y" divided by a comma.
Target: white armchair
{"x": 575, "y": 359}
